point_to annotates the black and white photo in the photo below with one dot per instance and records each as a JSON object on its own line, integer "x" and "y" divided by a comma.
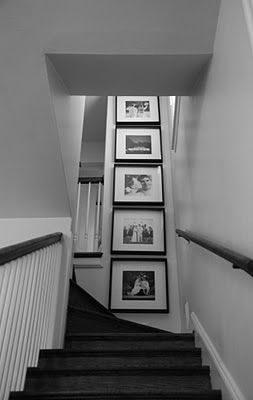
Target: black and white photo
{"x": 139, "y": 285}
{"x": 138, "y": 230}
{"x": 135, "y": 183}
{"x": 137, "y": 110}
{"x": 138, "y": 144}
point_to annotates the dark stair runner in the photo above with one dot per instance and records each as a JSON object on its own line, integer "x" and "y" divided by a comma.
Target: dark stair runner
{"x": 105, "y": 357}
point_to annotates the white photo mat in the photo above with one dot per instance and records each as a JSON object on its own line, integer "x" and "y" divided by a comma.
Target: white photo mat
{"x": 124, "y": 136}
{"x": 160, "y": 301}
{"x": 137, "y": 109}
{"x": 138, "y": 230}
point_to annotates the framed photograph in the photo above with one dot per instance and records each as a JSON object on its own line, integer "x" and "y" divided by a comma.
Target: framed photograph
{"x": 140, "y": 184}
{"x": 137, "y": 110}
{"x": 139, "y": 285}
{"x": 138, "y": 144}
{"x": 138, "y": 231}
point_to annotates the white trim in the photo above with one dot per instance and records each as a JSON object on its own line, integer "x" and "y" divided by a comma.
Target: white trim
{"x": 224, "y": 373}
{"x": 248, "y": 14}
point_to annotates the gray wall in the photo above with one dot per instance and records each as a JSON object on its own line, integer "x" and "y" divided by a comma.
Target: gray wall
{"x": 214, "y": 194}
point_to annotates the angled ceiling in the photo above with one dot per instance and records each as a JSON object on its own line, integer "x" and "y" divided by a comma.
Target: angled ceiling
{"x": 161, "y": 59}
{"x": 129, "y": 74}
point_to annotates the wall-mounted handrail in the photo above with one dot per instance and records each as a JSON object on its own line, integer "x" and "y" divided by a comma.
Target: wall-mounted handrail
{"x": 238, "y": 260}
{"x": 10, "y": 253}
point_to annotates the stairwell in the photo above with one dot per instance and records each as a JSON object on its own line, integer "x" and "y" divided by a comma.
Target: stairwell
{"x": 105, "y": 357}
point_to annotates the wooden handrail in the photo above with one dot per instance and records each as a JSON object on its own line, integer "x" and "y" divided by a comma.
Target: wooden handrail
{"x": 238, "y": 260}
{"x": 15, "y": 251}
{"x": 93, "y": 179}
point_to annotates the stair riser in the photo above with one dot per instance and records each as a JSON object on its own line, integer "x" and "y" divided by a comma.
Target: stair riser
{"x": 124, "y": 345}
{"x": 119, "y": 384}
{"x": 119, "y": 362}
{"x": 89, "y": 324}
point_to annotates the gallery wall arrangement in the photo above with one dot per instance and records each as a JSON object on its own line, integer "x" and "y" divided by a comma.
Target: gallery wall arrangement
{"x": 138, "y": 284}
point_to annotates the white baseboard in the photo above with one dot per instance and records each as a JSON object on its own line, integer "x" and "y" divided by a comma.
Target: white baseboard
{"x": 224, "y": 373}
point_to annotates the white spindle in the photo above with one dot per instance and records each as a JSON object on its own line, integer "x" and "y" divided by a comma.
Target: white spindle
{"x": 16, "y": 322}
{"x": 86, "y": 235}
{"x": 39, "y": 307}
{"x": 20, "y": 359}
{"x": 97, "y": 216}
{"x": 23, "y": 319}
{"x": 8, "y": 332}
{"x": 77, "y": 213}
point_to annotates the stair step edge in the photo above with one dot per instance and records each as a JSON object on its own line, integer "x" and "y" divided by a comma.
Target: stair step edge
{"x": 184, "y": 370}
{"x": 209, "y": 395}
{"x": 119, "y": 353}
{"x": 131, "y": 335}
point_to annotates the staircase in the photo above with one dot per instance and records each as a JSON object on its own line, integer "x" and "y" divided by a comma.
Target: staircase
{"x": 108, "y": 358}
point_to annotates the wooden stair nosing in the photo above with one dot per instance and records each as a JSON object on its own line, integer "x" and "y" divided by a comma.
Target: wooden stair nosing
{"x": 33, "y": 372}
{"x": 204, "y": 395}
{"x": 62, "y": 353}
{"x": 142, "y": 336}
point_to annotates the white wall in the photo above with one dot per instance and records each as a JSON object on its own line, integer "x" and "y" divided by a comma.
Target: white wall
{"x": 96, "y": 280}
{"x": 93, "y": 152}
{"x": 212, "y": 174}
{"x": 69, "y": 113}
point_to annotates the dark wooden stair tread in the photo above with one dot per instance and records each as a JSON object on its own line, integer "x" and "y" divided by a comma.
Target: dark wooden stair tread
{"x": 63, "y": 353}
{"x": 108, "y": 358}
{"x": 170, "y": 371}
{"x": 200, "y": 395}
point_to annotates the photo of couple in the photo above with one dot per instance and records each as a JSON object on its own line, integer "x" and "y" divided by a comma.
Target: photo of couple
{"x": 137, "y": 109}
{"x": 138, "y": 185}
{"x": 138, "y": 285}
{"x": 138, "y": 232}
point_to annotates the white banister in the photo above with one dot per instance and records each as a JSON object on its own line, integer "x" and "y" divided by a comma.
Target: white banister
{"x": 28, "y": 301}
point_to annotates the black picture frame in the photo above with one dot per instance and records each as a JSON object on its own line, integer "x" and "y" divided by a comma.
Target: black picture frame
{"x": 138, "y": 184}
{"x": 138, "y": 231}
{"x": 137, "y": 110}
{"x": 139, "y": 285}
{"x": 138, "y": 144}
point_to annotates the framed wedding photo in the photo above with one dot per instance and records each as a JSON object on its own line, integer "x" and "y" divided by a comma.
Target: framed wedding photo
{"x": 138, "y": 184}
{"x": 139, "y": 285}
{"x": 137, "y": 110}
{"x": 138, "y": 144}
{"x": 138, "y": 231}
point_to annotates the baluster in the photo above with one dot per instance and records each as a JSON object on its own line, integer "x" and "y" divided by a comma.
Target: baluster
{"x": 97, "y": 216}
{"x": 23, "y": 318}
{"x": 50, "y": 285}
{"x": 77, "y": 214}
{"x": 40, "y": 303}
{"x": 32, "y": 318}
{"x": 25, "y": 326}
{"x": 86, "y": 235}
{"x": 11, "y": 298}
{"x": 15, "y": 325}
